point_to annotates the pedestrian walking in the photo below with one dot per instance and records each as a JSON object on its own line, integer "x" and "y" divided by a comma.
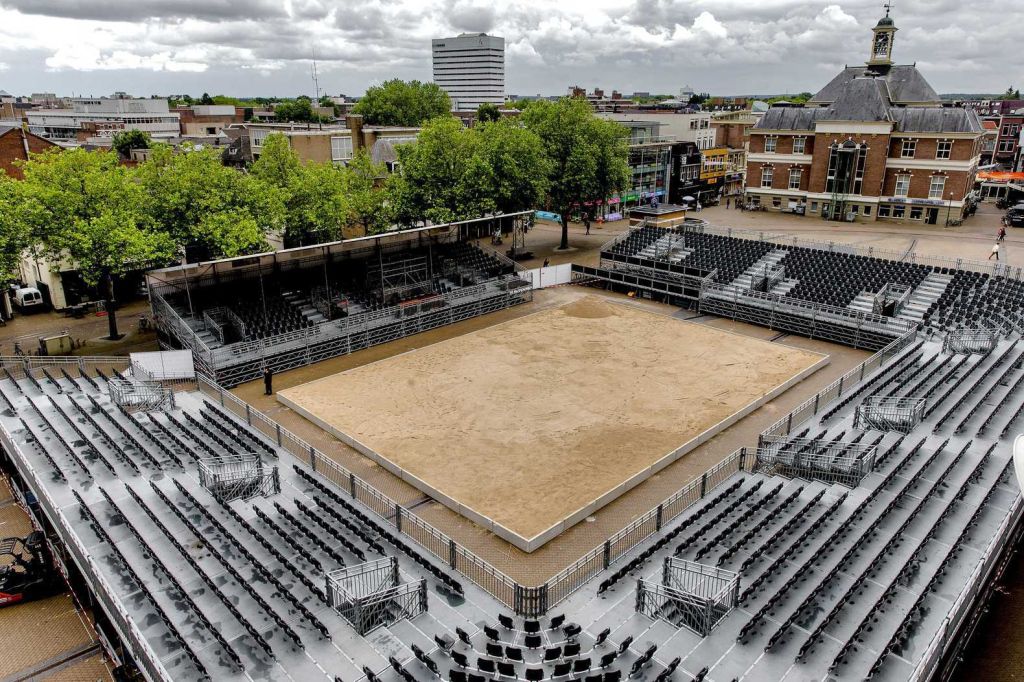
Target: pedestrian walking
{"x": 995, "y": 251}
{"x": 727, "y": 203}
{"x": 698, "y": 207}
{"x": 1001, "y": 235}
{"x": 268, "y": 380}
{"x": 586, "y": 222}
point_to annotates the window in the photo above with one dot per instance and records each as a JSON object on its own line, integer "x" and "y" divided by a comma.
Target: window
{"x": 794, "y": 178}
{"x": 341, "y": 148}
{"x": 902, "y": 185}
{"x": 898, "y": 211}
{"x": 814, "y": 207}
{"x": 909, "y": 149}
{"x": 883, "y": 211}
{"x": 867, "y": 210}
{"x": 1006, "y": 146}
{"x": 766, "y": 176}
{"x": 799, "y": 144}
{"x": 943, "y": 149}
{"x": 937, "y": 185}
{"x": 769, "y": 144}
{"x": 776, "y": 202}
{"x": 915, "y": 212}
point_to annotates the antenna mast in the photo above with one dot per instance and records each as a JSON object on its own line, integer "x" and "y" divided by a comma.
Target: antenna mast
{"x": 316, "y": 87}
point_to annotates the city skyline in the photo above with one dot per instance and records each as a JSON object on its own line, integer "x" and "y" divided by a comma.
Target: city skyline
{"x": 722, "y": 46}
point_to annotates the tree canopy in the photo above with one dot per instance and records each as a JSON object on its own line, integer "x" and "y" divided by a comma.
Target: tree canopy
{"x": 367, "y": 199}
{"x": 588, "y": 156}
{"x": 299, "y": 110}
{"x": 127, "y": 140}
{"x": 199, "y": 202}
{"x": 487, "y": 112}
{"x": 86, "y": 208}
{"x": 402, "y": 103}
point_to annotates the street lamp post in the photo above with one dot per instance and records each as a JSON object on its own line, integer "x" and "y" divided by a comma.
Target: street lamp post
{"x": 949, "y": 207}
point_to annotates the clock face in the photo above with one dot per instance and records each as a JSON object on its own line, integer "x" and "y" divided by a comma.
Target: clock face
{"x": 882, "y": 44}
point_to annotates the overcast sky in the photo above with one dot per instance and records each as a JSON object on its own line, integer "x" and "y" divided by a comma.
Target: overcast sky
{"x": 263, "y": 47}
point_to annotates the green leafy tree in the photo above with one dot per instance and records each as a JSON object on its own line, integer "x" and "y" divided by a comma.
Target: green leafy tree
{"x": 1010, "y": 93}
{"x": 14, "y": 236}
{"x": 516, "y": 164}
{"x": 278, "y": 163}
{"x": 487, "y": 113}
{"x": 298, "y": 111}
{"x": 85, "y": 208}
{"x": 442, "y": 177}
{"x": 402, "y": 103}
{"x": 588, "y": 156}
{"x": 200, "y": 202}
{"x": 206, "y": 99}
{"x": 314, "y": 195}
{"x": 127, "y": 140}
{"x": 367, "y": 198}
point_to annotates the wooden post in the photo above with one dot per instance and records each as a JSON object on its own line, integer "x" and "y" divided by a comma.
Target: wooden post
{"x": 278, "y": 427}
{"x": 312, "y": 458}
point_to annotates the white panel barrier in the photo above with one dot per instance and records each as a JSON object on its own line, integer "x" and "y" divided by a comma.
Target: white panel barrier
{"x": 165, "y": 365}
{"x": 552, "y": 275}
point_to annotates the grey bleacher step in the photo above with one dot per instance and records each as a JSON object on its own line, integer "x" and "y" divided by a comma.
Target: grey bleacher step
{"x": 784, "y": 287}
{"x": 864, "y": 302}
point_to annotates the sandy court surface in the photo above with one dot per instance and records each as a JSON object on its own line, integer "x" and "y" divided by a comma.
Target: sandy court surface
{"x": 528, "y": 421}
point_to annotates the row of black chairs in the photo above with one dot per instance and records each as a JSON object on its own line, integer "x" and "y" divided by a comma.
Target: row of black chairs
{"x": 172, "y": 631}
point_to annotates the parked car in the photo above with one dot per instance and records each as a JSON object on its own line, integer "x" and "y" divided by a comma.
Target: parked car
{"x": 1015, "y": 216}
{"x": 28, "y": 300}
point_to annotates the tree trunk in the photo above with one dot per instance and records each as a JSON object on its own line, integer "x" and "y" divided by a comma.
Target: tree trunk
{"x": 111, "y": 314}
{"x": 565, "y": 231}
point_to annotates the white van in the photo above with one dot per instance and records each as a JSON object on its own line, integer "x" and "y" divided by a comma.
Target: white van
{"x": 28, "y": 299}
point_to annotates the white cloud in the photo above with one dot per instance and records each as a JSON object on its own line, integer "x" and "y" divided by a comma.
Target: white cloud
{"x": 264, "y": 47}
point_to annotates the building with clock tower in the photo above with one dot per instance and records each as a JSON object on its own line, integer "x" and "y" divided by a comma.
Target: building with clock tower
{"x": 876, "y": 143}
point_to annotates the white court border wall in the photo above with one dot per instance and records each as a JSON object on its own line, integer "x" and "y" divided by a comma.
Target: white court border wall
{"x": 531, "y": 544}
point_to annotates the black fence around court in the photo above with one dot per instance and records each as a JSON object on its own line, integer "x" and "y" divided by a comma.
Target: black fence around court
{"x": 532, "y": 601}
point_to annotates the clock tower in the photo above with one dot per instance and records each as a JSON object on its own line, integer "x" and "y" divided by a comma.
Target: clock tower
{"x": 882, "y": 38}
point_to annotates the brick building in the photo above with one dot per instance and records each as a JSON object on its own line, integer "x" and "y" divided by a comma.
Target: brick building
{"x": 15, "y": 145}
{"x": 1010, "y": 133}
{"x": 874, "y": 144}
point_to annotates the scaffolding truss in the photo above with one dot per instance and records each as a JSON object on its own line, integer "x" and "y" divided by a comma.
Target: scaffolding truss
{"x": 232, "y": 477}
{"x": 765, "y": 278}
{"x": 831, "y": 461}
{"x": 691, "y": 595}
{"x": 887, "y": 413}
{"x": 889, "y": 301}
{"x": 970, "y": 341}
{"x": 372, "y": 595}
{"x": 146, "y": 396}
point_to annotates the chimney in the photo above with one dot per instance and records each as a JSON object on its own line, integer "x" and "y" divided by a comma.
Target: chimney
{"x": 354, "y": 122}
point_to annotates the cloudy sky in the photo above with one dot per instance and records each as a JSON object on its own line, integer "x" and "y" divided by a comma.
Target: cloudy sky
{"x": 263, "y": 47}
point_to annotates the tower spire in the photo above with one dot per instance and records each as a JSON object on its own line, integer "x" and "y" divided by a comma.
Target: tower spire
{"x": 883, "y": 35}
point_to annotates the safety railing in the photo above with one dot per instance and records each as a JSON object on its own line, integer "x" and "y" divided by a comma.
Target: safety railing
{"x": 601, "y": 557}
{"x": 994, "y": 269}
{"x": 18, "y": 365}
{"x": 818, "y": 402}
{"x": 810, "y": 309}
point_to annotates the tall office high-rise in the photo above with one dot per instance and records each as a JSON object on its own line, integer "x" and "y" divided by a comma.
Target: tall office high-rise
{"x": 471, "y": 69}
